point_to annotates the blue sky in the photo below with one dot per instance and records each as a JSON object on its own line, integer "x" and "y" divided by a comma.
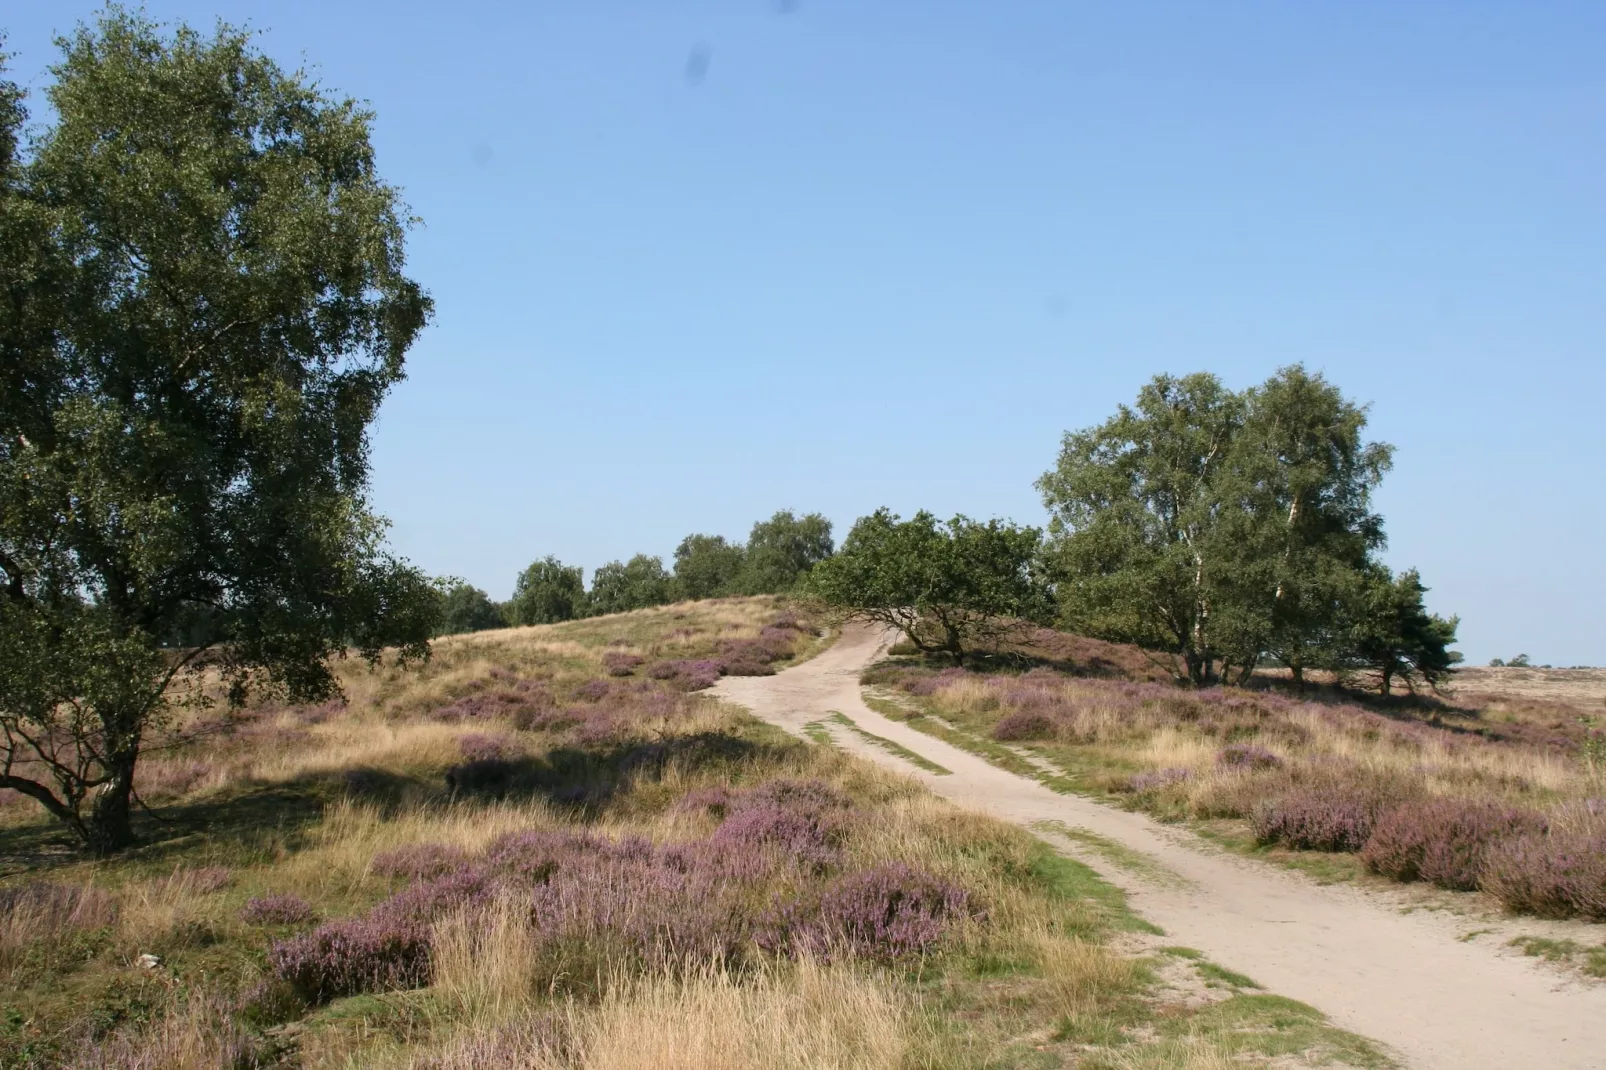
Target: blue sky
{"x": 697, "y": 261}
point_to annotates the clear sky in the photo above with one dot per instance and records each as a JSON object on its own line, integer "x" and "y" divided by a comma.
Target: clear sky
{"x": 697, "y": 261}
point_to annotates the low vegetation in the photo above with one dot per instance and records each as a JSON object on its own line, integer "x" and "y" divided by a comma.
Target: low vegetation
{"x": 1491, "y": 794}
{"x": 542, "y": 851}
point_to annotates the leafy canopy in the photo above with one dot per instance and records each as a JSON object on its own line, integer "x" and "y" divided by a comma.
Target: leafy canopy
{"x": 204, "y": 307}
{"x": 548, "y": 592}
{"x": 619, "y": 587}
{"x": 947, "y": 586}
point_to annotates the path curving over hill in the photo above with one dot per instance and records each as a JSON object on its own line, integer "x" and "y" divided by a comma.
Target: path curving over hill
{"x": 1402, "y": 979}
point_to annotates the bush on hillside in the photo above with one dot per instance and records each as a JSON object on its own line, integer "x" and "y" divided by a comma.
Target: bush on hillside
{"x": 1443, "y": 841}
{"x": 1557, "y": 874}
{"x": 1309, "y": 820}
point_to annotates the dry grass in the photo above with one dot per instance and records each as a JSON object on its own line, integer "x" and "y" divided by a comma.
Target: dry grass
{"x": 497, "y": 996}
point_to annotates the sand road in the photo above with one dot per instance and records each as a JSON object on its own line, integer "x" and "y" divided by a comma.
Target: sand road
{"x": 1403, "y": 979}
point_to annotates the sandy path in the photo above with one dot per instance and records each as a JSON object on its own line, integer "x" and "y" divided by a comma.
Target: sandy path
{"x": 1403, "y": 979}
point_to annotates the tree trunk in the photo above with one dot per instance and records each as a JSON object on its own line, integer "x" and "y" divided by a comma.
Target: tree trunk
{"x": 1387, "y": 673}
{"x": 110, "y": 827}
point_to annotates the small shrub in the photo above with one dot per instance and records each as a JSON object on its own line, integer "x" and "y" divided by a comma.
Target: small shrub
{"x": 1247, "y": 756}
{"x": 884, "y": 913}
{"x": 1316, "y": 821}
{"x": 1443, "y": 841}
{"x": 687, "y": 675}
{"x": 594, "y": 690}
{"x": 343, "y": 958}
{"x": 807, "y": 839}
{"x": 478, "y": 747}
{"x": 276, "y": 910}
{"x": 619, "y": 663}
{"x": 1023, "y": 724}
{"x": 746, "y": 667}
{"x": 1558, "y": 874}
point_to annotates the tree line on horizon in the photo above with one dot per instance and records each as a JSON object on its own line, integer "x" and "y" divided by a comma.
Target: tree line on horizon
{"x": 778, "y": 553}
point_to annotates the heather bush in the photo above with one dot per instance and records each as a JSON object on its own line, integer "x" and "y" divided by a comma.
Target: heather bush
{"x": 1443, "y": 841}
{"x": 882, "y": 913}
{"x": 1312, "y": 820}
{"x": 1247, "y": 756}
{"x": 1023, "y": 724}
{"x": 687, "y": 675}
{"x": 619, "y": 663}
{"x": 276, "y": 910}
{"x": 594, "y": 690}
{"x": 478, "y": 747}
{"x": 1558, "y": 874}
{"x": 343, "y": 958}
{"x": 807, "y": 839}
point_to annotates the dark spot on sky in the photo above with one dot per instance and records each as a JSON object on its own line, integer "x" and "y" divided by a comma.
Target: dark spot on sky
{"x": 482, "y": 154}
{"x": 697, "y": 65}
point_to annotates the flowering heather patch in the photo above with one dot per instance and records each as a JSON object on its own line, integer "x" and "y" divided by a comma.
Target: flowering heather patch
{"x": 419, "y": 860}
{"x": 884, "y": 913}
{"x": 619, "y": 663}
{"x": 924, "y": 685}
{"x": 1558, "y": 874}
{"x": 343, "y": 958}
{"x": 477, "y": 746}
{"x": 523, "y": 700}
{"x": 687, "y": 674}
{"x": 1444, "y": 841}
{"x": 1157, "y": 779}
{"x": 1247, "y": 756}
{"x": 593, "y": 690}
{"x": 1309, "y": 820}
{"x": 276, "y": 910}
{"x": 1023, "y": 724}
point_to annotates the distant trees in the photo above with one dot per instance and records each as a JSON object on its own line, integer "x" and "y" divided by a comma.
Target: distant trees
{"x": 1393, "y": 634}
{"x": 635, "y": 584}
{"x": 947, "y": 586}
{"x": 548, "y": 592}
{"x": 1225, "y": 527}
{"x": 778, "y": 553}
{"x": 782, "y": 550}
{"x": 706, "y": 566}
{"x": 468, "y": 609}
{"x": 204, "y": 308}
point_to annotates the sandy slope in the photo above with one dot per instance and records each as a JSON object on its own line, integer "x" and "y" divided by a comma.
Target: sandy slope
{"x": 1401, "y": 979}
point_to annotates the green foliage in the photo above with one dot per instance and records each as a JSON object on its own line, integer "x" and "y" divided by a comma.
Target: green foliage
{"x": 635, "y": 584}
{"x": 548, "y": 592}
{"x": 205, "y": 308}
{"x": 1394, "y": 635}
{"x": 706, "y": 566}
{"x": 1221, "y": 527}
{"x": 468, "y": 609}
{"x": 948, "y": 587}
{"x": 782, "y": 550}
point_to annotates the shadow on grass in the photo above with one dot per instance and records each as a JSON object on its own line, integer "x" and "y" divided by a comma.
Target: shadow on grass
{"x": 586, "y": 778}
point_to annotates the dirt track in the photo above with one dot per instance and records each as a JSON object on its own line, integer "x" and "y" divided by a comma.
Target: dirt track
{"x": 1402, "y": 979}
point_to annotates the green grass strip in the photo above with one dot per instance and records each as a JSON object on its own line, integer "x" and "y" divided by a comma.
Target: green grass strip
{"x": 890, "y": 747}
{"x": 995, "y": 753}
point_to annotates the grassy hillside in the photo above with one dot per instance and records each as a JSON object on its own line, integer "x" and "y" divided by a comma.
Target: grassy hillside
{"x": 1492, "y": 788}
{"x": 547, "y": 849}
